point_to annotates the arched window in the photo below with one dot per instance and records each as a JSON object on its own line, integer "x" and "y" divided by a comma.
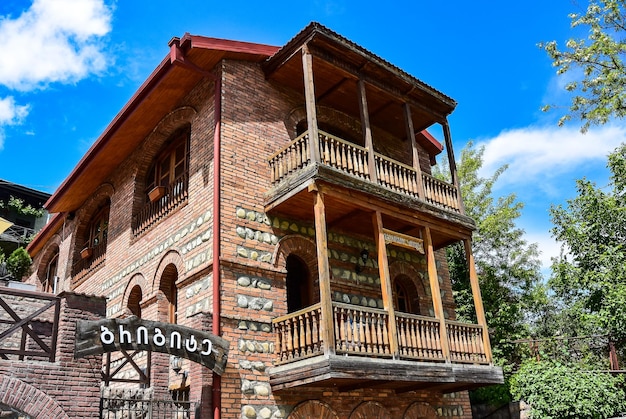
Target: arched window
{"x": 166, "y": 182}
{"x": 405, "y": 297}
{"x": 168, "y": 287}
{"x": 134, "y": 299}
{"x": 299, "y": 284}
{"x": 50, "y": 282}
{"x": 170, "y": 168}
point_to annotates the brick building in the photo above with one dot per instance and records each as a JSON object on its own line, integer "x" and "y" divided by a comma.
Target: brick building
{"x": 282, "y": 200}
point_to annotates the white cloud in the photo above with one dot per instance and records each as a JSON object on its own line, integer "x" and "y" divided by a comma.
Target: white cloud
{"x": 10, "y": 114}
{"x": 540, "y": 153}
{"x": 53, "y": 41}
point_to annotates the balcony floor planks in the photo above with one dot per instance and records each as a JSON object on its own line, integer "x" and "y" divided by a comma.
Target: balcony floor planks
{"x": 348, "y": 371}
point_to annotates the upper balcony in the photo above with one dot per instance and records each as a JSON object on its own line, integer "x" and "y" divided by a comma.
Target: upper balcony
{"x": 350, "y": 159}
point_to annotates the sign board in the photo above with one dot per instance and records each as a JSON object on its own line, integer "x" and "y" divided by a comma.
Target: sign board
{"x": 403, "y": 240}
{"x": 110, "y": 335}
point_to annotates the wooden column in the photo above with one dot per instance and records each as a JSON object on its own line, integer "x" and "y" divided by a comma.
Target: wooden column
{"x": 309, "y": 102}
{"x": 436, "y": 293}
{"x": 452, "y": 163}
{"x": 327, "y": 331}
{"x": 410, "y": 132}
{"x": 367, "y": 131}
{"x": 385, "y": 282}
{"x": 478, "y": 300}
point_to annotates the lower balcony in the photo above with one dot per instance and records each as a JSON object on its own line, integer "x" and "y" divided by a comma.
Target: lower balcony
{"x": 368, "y": 350}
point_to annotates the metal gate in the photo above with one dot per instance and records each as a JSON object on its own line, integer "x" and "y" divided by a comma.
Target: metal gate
{"x": 120, "y": 403}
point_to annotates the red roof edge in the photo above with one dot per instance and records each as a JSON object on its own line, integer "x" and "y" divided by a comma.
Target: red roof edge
{"x": 436, "y": 144}
{"x": 134, "y": 101}
{"x": 204, "y": 42}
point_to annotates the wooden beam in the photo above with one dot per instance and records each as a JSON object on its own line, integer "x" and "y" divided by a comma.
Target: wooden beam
{"x": 357, "y": 74}
{"x": 367, "y": 131}
{"x": 309, "y": 101}
{"x": 478, "y": 300}
{"x": 436, "y": 293}
{"x": 327, "y": 331}
{"x": 452, "y": 163}
{"x": 410, "y": 132}
{"x": 385, "y": 282}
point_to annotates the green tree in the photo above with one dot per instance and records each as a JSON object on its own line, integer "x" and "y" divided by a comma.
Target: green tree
{"x": 595, "y": 63}
{"x": 507, "y": 265}
{"x": 589, "y": 277}
{"x": 18, "y": 263}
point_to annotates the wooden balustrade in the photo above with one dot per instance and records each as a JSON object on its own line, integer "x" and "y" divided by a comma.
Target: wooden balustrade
{"x": 440, "y": 193}
{"x": 347, "y": 157}
{"x": 364, "y": 331}
{"x": 175, "y": 194}
{"x": 361, "y": 330}
{"x": 353, "y": 159}
{"x": 396, "y": 176}
{"x": 466, "y": 342}
{"x": 84, "y": 265}
{"x": 298, "y": 334}
{"x": 419, "y": 337}
{"x": 293, "y": 157}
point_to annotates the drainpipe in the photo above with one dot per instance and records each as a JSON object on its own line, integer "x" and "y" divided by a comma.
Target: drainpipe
{"x": 177, "y": 57}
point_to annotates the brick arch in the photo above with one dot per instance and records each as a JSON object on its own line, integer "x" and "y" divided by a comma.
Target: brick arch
{"x": 325, "y": 115}
{"x": 313, "y": 409}
{"x": 300, "y": 246}
{"x": 151, "y": 146}
{"x": 420, "y": 411}
{"x": 30, "y": 400}
{"x": 138, "y": 280}
{"x": 417, "y": 293}
{"x": 170, "y": 258}
{"x": 370, "y": 410}
{"x": 50, "y": 249}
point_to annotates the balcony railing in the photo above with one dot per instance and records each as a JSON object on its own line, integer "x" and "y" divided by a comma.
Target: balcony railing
{"x": 353, "y": 159}
{"x": 174, "y": 195}
{"x": 363, "y": 331}
{"x": 92, "y": 258}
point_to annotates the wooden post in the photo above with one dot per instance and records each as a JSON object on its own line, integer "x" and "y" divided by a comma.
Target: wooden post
{"x": 367, "y": 131}
{"x": 452, "y": 163}
{"x": 309, "y": 101}
{"x": 436, "y": 293}
{"x": 410, "y": 132}
{"x": 326, "y": 327}
{"x": 478, "y": 300}
{"x": 385, "y": 283}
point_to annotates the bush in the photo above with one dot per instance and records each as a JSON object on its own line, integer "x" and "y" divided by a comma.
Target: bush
{"x": 556, "y": 390}
{"x": 18, "y": 263}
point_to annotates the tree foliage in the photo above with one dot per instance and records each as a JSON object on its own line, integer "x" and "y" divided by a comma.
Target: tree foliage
{"x": 18, "y": 263}
{"x": 595, "y": 64}
{"x": 589, "y": 277}
{"x": 506, "y": 264}
{"x": 18, "y": 205}
{"x": 557, "y": 390}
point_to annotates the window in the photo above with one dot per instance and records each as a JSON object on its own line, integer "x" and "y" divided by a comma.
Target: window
{"x": 405, "y": 296}
{"x": 172, "y": 163}
{"x": 50, "y": 282}
{"x": 99, "y": 228}
{"x": 165, "y": 183}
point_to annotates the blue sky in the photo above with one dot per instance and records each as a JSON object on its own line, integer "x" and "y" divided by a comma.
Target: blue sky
{"x": 69, "y": 66}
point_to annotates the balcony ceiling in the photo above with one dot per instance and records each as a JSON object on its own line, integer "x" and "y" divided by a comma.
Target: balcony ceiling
{"x": 338, "y": 64}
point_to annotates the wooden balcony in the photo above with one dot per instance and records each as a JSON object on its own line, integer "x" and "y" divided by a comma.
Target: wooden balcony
{"x": 353, "y": 160}
{"x": 361, "y": 353}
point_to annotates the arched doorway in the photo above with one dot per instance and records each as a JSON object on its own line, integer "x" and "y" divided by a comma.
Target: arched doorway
{"x": 299, "y": 284}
